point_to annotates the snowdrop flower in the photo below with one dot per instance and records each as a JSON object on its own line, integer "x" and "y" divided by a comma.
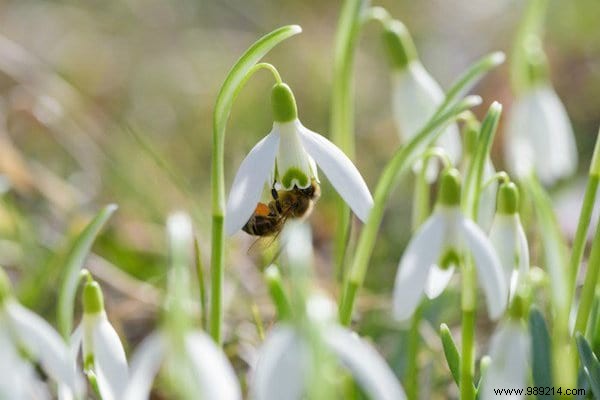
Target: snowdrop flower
{"x": 508, "y": 238}
{"x": 509, "y": 352}
{"x": 284, "y": 364}
{"x": 103, "y": 353}
{"x": 199, "y": 364}
{"x": 539, "y": 137}
{"x": 415, "y": 94}
{"x": 21, "y": 329}
{"x": 289, "y": 156}
{"x": 444, "y": 239}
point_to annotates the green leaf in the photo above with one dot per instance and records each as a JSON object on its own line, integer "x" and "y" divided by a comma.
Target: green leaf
{"x": 76, "y": 257}
{"x": 451, "y": 352}
{"x": 542, "y": 352}
{"x": 590, "y": 364}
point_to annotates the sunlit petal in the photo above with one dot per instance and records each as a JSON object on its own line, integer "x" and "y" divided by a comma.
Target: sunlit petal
{"x": 367, "y": 366}
{"x": 489, "y": 269}
{"x": 249, "y": 182}
{"x": 422, "y": 251}
{"x": 145, "y": 364}
{"x": 509, "y": 358}
{"x": 503, "y": 236}
{"x": 216, "y": 377}
{"x": 110, "y": 363}
{"x": 340, "y": 171}
{"x": 437, "y": 280}
{"x": 43, "y": 342}
{"x": 281, "y": 370}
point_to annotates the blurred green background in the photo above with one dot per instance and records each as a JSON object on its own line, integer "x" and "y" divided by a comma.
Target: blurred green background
{"x": 111, "y": 101}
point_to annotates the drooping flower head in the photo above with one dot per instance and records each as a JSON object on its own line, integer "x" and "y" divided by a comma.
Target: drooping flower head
{"x": 103, "y": 353}
{"x": 415, "y": 94}
{"x": 22, "y": 330}
{"x": 539, "y": 138}
{"x": 438, "y": 247}
{"x": 288, "y": 157}
{"x": 508, "y": 237}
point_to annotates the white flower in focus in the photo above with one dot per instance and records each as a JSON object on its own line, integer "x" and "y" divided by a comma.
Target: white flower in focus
{"x": 213, "y": 375}
{"x": 21, "y": 329}
{"x": 289, "y": 155}
{"x": 103, "y": 353}
{"x": 444, "y": 239}
{"x": 509, "y": 240}
{"x": 284, "y": 364}
{"x": 539, "y": 138}
{"x": 509, "y": 353}
{"x": 415, "y": 94}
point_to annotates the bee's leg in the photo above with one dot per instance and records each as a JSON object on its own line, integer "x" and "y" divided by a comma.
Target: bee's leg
{"x": 274, "y": 193}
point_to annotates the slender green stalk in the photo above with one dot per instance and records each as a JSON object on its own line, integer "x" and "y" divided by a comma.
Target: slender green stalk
{"x": 412, "y": 365}
{"x": 471, "y": 194}
{"x": 589, "y": 285}
{"x": 235, "y": 80}
{"x": 278, "y": 293}
{"x": 342, "y": 111}
{"x": 401, "y": 161}
{"x": 201, "y": 284}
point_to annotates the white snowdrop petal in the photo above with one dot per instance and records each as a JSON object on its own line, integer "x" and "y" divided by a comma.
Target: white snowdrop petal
{"x": 509, "y": 353}
{"x": 422, "y": 251}
{"x": 503, "y": 236}
{"x": 367, "y": 366}
{"x": 523, "y": 246}
{"x": 145, "y": 364}
{"x": 489, "y": 270}
{"x": 75, "y": 341}
{"x": 340, "y": 171}
{"x": 216, "y": 377}
{"x": 110, "y": 363}
{"x": 44, "y": 343}
{"x": 437, "y": 280}
{"x": 415, "y": 98}
{"x": 249, "y": 182}
{"x": 292, "y": 155}
{"x": 518, "y": 146}
{"x": 282, "y": 367}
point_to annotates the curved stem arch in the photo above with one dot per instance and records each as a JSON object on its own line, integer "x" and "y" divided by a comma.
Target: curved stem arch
{"x": 235, "y": 80}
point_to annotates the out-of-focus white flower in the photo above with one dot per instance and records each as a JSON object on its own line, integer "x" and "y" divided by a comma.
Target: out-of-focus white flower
{"x": 539, "y": 138}
{"x": 284, "y": 364}
{"x": 509, "y": 353}
{"x": 103, "y": 353}
{"x": 444, "y": 239}
{"x": 22, "y": 329}
{"x": 289, "y": 156}
{"x": 214, "y": 377}
{"x": 415, "y": 94}
{"x": 508, "y": 237}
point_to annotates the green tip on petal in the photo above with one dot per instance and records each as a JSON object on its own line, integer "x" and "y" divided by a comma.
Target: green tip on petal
{"x": 450, "y": 188}
{"x": 4, "y": 286}
{"x": 449, "y": 259}
{"x": 294, "y": 174}
{"x": 518, "y": 308}
{"x": 400, "y": 47}
{"x": 284, "y": 103}
{"x": 508, "y": 198}
{"x": 93, "y": 300}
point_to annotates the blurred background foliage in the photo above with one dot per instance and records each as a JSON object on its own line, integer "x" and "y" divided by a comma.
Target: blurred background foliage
{"x": 111, "y": 101}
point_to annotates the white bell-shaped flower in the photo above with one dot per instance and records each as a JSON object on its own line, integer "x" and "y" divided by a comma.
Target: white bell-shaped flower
{"x": 284, "y": 363}
{"x": 508, "y": 237}
{"x": 438, "y": 246}
{"x": 103, "y": 353}
{"x": 509, "y": 353}
{"x": 21, "y": 329}
{"x": 213, "y": 375}
{"x": 415, "y": 94}
{"x": 539, "y": 138}
{"x": 289, "y": 156}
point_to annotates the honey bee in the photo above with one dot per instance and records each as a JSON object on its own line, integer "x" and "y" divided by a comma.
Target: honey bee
{"x": 269, "y": 219}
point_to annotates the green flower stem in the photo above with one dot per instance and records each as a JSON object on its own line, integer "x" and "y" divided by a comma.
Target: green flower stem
{"x": 589, "y": 285}
{"x": 556, "y": 259}
{"x": 278, "y": 293}
{"x": 402, "y": 160}
{"x": 201, "y": 285}
{"x": 472, "y": 191}
{"x": 342, "y": 111}
{"x": 235, "y": 80}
